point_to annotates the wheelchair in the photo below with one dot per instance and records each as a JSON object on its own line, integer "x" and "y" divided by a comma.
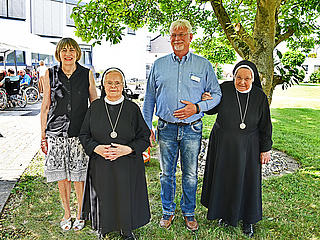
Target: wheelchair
{"x": 31, "y": 91}
{"x": 3, "y": 99}
{"x": 11, "y": 94}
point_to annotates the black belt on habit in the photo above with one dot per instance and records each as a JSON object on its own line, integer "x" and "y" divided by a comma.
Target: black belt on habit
{"x": 181, "y": 123}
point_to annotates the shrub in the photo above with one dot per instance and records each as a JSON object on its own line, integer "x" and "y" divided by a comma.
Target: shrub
{"x": 219, "y": 72}
{"x": 293, "y": 58}
{"x": 315, "y": 77}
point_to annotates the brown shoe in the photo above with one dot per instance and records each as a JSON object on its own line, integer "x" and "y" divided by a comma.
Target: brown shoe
{"x": 166, "y": 221}
{"x": 191, "y": 225}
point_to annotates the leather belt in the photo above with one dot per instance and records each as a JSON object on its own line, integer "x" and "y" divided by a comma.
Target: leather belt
{"x": 181, "y": 123}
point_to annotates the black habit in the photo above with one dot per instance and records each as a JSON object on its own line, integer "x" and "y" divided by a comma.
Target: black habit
{"x": 115, "y": 194}
{"x": 232, "y": 180}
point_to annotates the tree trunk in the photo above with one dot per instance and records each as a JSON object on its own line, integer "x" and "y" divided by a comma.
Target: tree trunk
{"x": 264, "y": 39}
{"x": 258, "y": 48}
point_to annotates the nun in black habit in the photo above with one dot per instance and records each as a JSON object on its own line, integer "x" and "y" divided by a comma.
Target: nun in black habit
{"x": 240, "y": 141}
{"x": 114, "y": 135}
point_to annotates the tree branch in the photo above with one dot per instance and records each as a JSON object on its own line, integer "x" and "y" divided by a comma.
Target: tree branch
{"x": 241, "y": 32}
{"x": 237, "y": 36}
{"x": 281, "y": 37}
{"x": 277, "y": 80}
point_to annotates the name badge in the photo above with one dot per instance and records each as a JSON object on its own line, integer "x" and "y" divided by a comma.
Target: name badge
{"x": 195, "y": 78}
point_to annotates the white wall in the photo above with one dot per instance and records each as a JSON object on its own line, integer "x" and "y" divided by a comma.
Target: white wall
{"x": 311, "y": 62}
{"x": 130, "y": 55}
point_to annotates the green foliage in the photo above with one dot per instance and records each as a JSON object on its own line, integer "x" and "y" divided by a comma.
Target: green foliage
{"x": 219, "y": 72}
{"x": 312, "y": 55}
{"x": 215, "y": 50}
{"x": 105, "y": 19}
{"x": 306, "y": 43}
{"x": 287, "y": 67}
{"x": 293, "y": 58}
{"x": 315, "y": 77}
{"x": 235, "y": 22}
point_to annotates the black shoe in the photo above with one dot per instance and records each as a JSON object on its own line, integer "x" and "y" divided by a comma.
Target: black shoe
{"x": 248, "y": 230}
{"x": 222, "y": 223}
{"x": 128, "y": 235}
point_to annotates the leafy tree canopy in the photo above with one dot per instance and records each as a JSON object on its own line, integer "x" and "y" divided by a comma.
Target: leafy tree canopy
{"x": 252, "y": 28}
{"x": 215, "y": 50}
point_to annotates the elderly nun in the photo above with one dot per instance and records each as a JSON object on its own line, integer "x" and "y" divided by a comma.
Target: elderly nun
{"x": 114, "y": 135}
{"x": 240, "y": 142}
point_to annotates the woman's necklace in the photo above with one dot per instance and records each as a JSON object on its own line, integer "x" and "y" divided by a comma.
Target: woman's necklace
{"x": 113, "y": 134}
{"x": 242, "y": 124}
{"x": 70, "y": 73}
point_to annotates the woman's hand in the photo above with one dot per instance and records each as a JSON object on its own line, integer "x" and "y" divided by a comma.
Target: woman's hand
{"x": 265, "y": 157}
{"x": 44, "y": 146}
{"x": 206, "y": 96}
{"x": 117, "y": 150}
{"x": 102, "y": 150}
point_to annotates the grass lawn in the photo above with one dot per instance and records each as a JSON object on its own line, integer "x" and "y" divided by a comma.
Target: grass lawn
{"x": 290, "y": 203}
{"x": 297, "y": 96}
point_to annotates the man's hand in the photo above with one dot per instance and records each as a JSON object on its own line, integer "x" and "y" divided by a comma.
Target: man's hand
{"x": 186, "y": 111}
{"x": 265, "y": 157}
{"x": 152, "y": 138}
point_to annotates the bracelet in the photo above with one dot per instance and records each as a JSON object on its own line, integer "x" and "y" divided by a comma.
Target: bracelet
{"x": 198, "y": 108}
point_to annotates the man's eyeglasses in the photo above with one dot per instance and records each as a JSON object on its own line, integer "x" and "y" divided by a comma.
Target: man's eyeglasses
{"x": 180, "y": 35}
{"x": 117, "y": 84}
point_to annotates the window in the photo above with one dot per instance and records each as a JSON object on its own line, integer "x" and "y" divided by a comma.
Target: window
{"x": 48, "y": 59}
{"x": 13, "y": 9}
{"x": 131, "y": 31}
{"x": 85, "y": 57}
{"x": 70, "y": 4}
{"x": 69, "y": 20}
{"x": 316, "y": 67}
{"x": 20, "y": 58}
{"x": 47, "y": 17}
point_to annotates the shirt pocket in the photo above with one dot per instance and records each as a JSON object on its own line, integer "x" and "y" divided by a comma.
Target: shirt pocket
{"x": 196, "y": 80}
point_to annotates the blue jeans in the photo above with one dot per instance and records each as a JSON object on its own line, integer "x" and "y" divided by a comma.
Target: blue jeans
{"x": 173, "y": 140}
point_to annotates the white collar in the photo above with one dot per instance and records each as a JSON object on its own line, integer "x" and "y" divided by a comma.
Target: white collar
{"x": 114, "y": 102}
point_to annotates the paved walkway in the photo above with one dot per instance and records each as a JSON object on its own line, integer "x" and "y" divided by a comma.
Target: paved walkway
{"x": 20, "y": 142}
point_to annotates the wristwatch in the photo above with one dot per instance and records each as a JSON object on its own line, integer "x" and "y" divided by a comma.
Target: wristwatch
{"x": 198, "y": 108}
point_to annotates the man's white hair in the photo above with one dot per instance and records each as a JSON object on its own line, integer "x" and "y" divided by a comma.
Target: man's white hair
{"x": 180, "y": 24}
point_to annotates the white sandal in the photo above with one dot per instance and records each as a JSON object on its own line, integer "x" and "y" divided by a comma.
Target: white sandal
{"x": 78, "y": 224}
{"x": 66, "y": 224}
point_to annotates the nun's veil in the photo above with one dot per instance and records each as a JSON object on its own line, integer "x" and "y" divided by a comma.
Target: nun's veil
{"x": 252, "y": 66}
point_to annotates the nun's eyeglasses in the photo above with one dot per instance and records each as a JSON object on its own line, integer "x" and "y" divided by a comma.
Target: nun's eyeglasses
{"x": 239, "y": 79}
{"x": 116, "y": 83}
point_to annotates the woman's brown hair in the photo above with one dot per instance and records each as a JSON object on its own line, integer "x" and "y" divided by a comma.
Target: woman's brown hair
{"x": 67, "y": 42}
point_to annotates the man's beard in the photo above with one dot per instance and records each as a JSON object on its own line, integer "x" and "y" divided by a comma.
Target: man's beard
{"x": 178, "y": 47}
